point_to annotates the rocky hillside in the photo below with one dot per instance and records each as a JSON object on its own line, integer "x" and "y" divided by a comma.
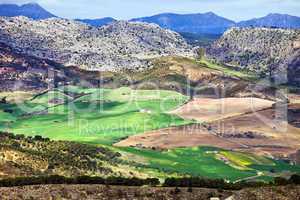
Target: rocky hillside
{"x": 263, "y": 50}
{"x": 109, "y": 48}
{"x": 150, "y": 193}
{"x": 74, "y": 192}
{"x": 22, "y": 72}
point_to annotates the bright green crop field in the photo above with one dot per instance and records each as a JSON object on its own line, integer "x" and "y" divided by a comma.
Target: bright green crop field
{"x": 106, "y": 116}
{"x": 102, "y": 116}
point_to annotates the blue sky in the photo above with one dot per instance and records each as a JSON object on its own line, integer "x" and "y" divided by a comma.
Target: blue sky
{"x": 126, "y": 9}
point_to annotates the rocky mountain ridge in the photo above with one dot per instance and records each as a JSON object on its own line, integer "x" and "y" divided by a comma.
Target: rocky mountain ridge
{"x": 196, "y": 23}
{"x": 31, "y": 10}
{"x": 98, "y": 22}
{"x": 267, "y": 51}
{"x": 273, "y": 20}
{"x": 121, "y": 45}
{"x": 206, "y": 23}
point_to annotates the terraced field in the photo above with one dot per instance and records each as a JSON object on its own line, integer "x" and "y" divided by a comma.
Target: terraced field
{"x": 104, "y": 117}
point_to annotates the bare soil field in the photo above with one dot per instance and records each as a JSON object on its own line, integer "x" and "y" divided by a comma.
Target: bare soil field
{"x": 208, "y": 109}
{"x": 294, "y": 115}
{"x": 270, "y": 130}
{"x": 175, "y": 137}
{"x": 294, "y": 98}
{"x": 267, "y": 131}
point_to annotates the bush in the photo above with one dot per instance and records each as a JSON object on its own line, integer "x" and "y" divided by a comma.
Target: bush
{"x": 209, "y": 183}
{"x": 55, "y": 179}
{"x": 280, "y": 181}
{"x": 295, "y": 179}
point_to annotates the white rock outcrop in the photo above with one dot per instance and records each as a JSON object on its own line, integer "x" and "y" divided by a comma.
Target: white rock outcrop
{"x": 121, "y": 45}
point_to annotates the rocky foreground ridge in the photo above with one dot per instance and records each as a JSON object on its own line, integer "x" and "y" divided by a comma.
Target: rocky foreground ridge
{"x": 109, "y": 48}
{"x": 267, "y": 51}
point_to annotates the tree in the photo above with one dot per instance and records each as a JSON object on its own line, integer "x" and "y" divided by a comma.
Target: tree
{"x": 3, "y": 100}
{"x": 295, "y": 179}
{"x": 200, "y": 53}
{"x": 177, "y": 190}
{"x": 190, "y": 189}
{"x": 280, "y": 181}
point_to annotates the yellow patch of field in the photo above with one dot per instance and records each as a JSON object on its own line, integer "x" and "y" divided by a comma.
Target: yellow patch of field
{"x": 16, "y": 96}
{"x": 243, "y": 160}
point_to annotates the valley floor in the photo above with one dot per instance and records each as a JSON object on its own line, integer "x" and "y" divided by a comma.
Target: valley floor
{"x": 158, "y": 133}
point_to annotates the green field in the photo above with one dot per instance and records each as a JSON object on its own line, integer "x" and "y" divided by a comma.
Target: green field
{"x": 249, "y": 76}
{"x": 105, "y": 116}
{"x": 204, "y": 161}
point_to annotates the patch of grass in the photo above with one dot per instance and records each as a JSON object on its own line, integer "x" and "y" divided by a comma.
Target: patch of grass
{"x": 16, "y": 96}
{"x": 102, "y": 117}
{"x": 126, "y": 94}
{"x": 203, "y": 161}
{"x": 228, "y": 71}
{"x": 190, "y": 161}
{"x": 279, "y": 167}
{"x": 244, "y": 160}
{"x": 51, "y": 98}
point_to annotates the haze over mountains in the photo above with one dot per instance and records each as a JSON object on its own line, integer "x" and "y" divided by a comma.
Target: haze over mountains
{"x": 206, "y": 23}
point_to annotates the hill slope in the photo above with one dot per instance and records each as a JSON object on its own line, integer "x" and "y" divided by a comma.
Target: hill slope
{"x": 20, "y": 156}
{"x": 109, "y": 48}
{"x": 31, "y": 10}
{"x": 273, "y": 52}
{"x": 19, "y": 72}
{"x": 207, "y": 23}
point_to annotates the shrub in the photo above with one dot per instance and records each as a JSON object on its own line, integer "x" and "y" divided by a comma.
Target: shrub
{"x": 295, "y": 179}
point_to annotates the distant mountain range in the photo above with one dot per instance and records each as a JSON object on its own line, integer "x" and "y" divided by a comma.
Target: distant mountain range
{"x": 273, "y": 20}
{"x": 31, "y": 10}
{"x": 206, "y": 23}
{"x": 98, "y": 22}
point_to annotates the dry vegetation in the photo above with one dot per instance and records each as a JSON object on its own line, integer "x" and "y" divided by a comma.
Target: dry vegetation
{"x": 102, "y": 192}
{"x": 107, "y": 193}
